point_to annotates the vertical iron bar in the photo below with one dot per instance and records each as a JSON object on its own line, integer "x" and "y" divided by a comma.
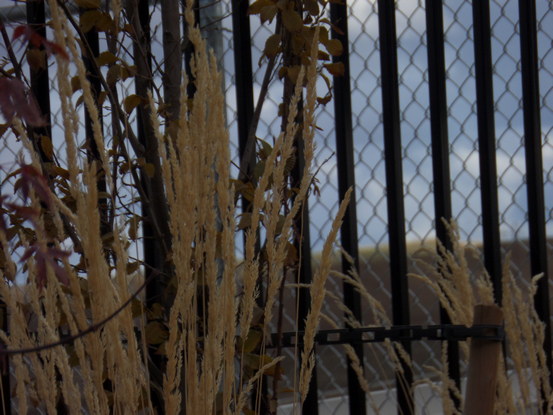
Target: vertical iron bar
{"x": 91, "y": 38}
{"x": 486, "y": 142}
{"x": 302, "y": 234}
{"x": 534, "y": 165}
{"x": 172, "y": 59}
{"x": 6, "y": 392}
{"x": 243, "y": 75}
{"x": 154, "y": 256}
{"x": 40, "y": 88}
{"x": 40, "y": 84}
{"x": 394, "y": 190}
{"x": 440, "y": 152}
{"x": 95, "y": 85}
{"x": 346, "y": 179}
{"x": 188, "y": 46}
{"x": 303, "y": 245}
{"x": 93, "y": 153}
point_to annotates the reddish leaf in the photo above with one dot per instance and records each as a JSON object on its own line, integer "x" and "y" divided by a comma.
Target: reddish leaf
{"x": 35, "y": 179}
{"x": 16, "y": 100}
{"x": 44, "y": 258}
{"x": 26, "y": 33}
{"x": 28, "y": 253}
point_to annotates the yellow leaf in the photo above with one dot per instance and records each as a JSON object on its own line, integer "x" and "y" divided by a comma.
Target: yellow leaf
{"x": 292, "y": 20}
{"x": 106, "y": 58}
{"x": 293, "y": 72}
{"x": 36, "y": 58}
{"x": 133, "y": 227}
{"x": 323, "y": 34}
{"x": 149, "y": 169}
{"x": 298, "y": 43}
{"x": 46, "y": 146}
{"x": 258, "y": 169}
{"x": 334, "y": 47}
{"x": 156, "y": 311}
{"x": 79, "y": 102}
{"x": 88, "y": 20}
{"x": 75, "y": 84}
{"x": 253, "y": 340}
{"x": 257, "y": 6}
{"x": 254, "y": 362}
{"x": 247, "y": 189}
{"x": 131, "y": 102}
{"x": 102, "y": 97}
{"x": 312, "y": 7}
{"x": 58, "y": 171}
{"x": 156, "y": 332}
{"x": 245, "y": 220}
{"x": 137, "y": 308}
{"x": 104, "y": 23}
{"x": 3, "y": 129}
{"x": 324, "y": 100}
{"x": 88, "y": 4}
{"x": 127, "y": 71}
{"x": 336, "y": 69}
{"x": 124, "y": 167}
{"x": 132, "y": 267}
{"x": 265, "y": 150}
{"x": 272, "y": 45}
{"x": 107, "y": 239}
{"x": 268, "y": 13}
{"x": 323, "y": 56}
{"x": 291, "y": 255}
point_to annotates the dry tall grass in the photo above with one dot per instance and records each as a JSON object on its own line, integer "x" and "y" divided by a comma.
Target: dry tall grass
{"x": 523, "y": 378}
{"x": 523, "y": 385}
{"x": 107, "y": 370}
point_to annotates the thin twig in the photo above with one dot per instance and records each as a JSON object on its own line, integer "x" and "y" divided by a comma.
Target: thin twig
{"x": 250, "y": 143}
{"x": 137, "y": 146}
{"x": 11, "y": 54}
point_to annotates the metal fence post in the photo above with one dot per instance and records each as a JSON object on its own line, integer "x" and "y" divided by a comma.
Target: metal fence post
{"x": 394, "y": 191}
{"x": 440, "y": 152}
{"x": 346, "y": 179}
{"x": 534, "y": 166}
{"x": 486, "y": 142}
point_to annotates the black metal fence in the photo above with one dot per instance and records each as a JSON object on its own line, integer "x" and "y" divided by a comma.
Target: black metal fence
{"x": 433, "y": 92}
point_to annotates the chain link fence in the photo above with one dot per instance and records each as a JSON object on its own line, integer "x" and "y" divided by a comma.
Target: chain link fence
{"x": 369, "y": 159}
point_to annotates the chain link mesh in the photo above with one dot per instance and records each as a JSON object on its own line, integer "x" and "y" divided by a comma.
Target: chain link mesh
{"x": 417, "y": 163}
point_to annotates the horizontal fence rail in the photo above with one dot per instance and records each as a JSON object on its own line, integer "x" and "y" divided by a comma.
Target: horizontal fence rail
{"x": 445, "y": 332}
